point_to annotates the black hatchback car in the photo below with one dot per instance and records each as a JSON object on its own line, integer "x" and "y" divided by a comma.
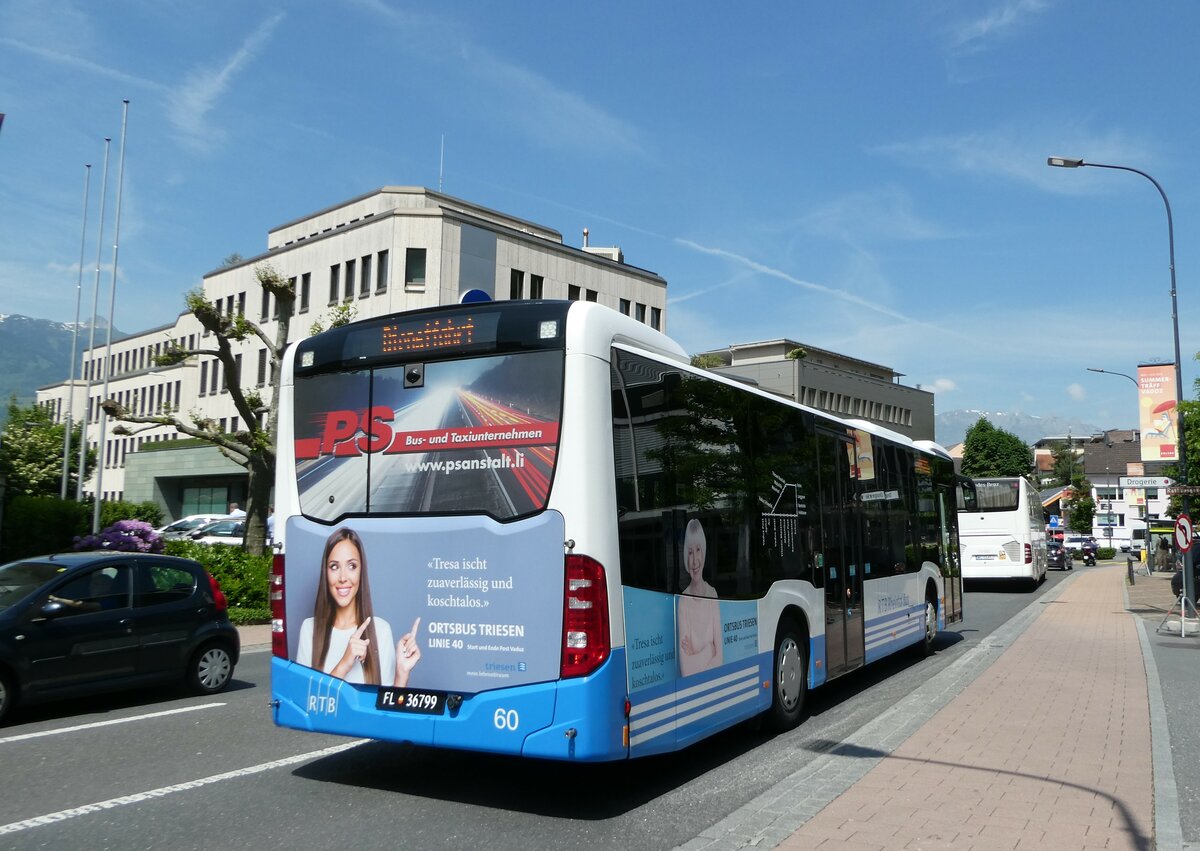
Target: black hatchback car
{"x": 1058, "y": 556}
{"x": 100, "y": 621}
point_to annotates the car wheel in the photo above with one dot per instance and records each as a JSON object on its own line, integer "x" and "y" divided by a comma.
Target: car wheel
{"x": 8, "y": 695}
{"x": 211, "y": 669}
{"x": 790, "y": 677}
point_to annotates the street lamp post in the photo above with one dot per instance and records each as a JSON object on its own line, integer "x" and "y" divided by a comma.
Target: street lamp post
{"x": 1106, "y": 472}
{"x": 1189, "y": 589}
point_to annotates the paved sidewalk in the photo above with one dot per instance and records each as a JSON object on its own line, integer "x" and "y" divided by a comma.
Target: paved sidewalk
{"x": 1048, "y": 748}
{"x": 255, "y": 635}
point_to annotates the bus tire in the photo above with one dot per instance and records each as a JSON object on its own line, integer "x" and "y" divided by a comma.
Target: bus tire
{"x": 928, "y": 626}
{"x": 789, "y": 677}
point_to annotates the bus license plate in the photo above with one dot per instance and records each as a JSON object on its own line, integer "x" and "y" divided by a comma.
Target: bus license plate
{"x": 411, "y": 700}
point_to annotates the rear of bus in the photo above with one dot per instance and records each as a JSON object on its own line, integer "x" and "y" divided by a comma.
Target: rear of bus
{"x": 420, "y": 486}
{"x": 1003, "y": 535}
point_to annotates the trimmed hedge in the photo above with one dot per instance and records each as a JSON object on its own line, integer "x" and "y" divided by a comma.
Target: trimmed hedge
{"x": 36, "y": 525}
{"x": 242, "y": 576}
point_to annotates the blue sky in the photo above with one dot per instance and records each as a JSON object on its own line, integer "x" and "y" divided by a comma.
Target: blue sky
{"x": 865, "y": 177}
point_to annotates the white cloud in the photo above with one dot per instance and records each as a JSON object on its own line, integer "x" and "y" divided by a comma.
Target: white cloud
{"x": 841, "y": 295}
{"x": 942, "y": 385}
{"x": 195, "y": 99}
{"x": 883, "y": 214}
{"x": 515, "y": 95}
{"x": 1000, "y": 21}
{"x": 1019, "y": 153}
{"x": 82, "y": 64}
{"x": 1076, "y": 392}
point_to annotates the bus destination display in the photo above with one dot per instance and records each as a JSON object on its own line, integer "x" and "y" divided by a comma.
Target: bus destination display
{"x": 423, "y": 335}
{"x": 450, "y": 332}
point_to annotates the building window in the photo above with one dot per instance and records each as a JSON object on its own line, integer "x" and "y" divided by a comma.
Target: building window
{"x": 241, "y": 301}
{"x": 591, "y": 295}
{"x": 213, "y": 377}
{"x": 573, "y": 292}
{"x": 656, "y": 318}
{"x": 516, "y": 284}
{"x": 381, "y": 273}
{"x": 641, "y": 313}
{"x": 351, "y": 265}
{"x": 266, "y": 306}
{"x": 262, "y": 367}
{"x": 364, "y": 284}
{"x": 203, "y": 378}
{"x": 536, "y": 283}
{"x": 335, "y": 285}
{"x": 305, "y": 286}
{"x": 625, "y": 306}
{"x": 414, "y": 267}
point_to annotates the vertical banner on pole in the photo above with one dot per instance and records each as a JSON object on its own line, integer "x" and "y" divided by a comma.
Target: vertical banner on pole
{"x": 1158, "y": 412}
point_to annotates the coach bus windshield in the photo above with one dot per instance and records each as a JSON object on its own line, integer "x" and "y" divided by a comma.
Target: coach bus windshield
{"x": 471, "y": 435}
{"x": 997, "y": 494}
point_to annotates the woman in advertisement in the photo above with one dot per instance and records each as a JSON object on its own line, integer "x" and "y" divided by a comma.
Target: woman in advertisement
{"x": 344, "y": 638}
{"x": 699, "y": 613}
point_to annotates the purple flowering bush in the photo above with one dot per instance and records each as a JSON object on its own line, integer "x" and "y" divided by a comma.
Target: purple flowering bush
{"x": 127, "y": 536}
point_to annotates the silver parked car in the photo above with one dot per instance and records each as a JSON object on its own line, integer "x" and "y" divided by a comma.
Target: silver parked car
{"x": 185, "y": 526}
{"x": 228, "y": 530}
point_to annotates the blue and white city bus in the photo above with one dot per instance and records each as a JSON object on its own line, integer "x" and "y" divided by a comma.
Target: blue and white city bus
{"x": 534, "y": 528}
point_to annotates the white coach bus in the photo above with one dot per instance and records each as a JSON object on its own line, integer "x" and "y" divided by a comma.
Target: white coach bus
{"x": 1004, "y": 535}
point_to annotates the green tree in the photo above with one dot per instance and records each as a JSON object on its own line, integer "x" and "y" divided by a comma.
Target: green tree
{"x": 707, "y": 361}
{"x": 1079, "y": 506}
{"x": 252, "y": 447}
{"x": 31, "y": 452}
{"x": 989, "y": 452}
{"x": 1067, "y": 465}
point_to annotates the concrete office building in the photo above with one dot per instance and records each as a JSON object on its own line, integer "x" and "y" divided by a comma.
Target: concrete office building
{"x": 398, "y": 248}
{"x": 842, "y": 385}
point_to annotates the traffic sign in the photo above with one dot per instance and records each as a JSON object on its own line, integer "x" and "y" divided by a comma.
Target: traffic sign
{"x": 1144, "y": 481}
{"x": 1183, "y": 532}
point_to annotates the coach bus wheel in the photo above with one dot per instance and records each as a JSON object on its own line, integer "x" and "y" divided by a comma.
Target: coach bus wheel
{"x": 929, "y": 627}
{"x": 790, "y": 677}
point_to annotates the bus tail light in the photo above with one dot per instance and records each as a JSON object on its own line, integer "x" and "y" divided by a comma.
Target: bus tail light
{"x": 279, "y": 643}
{"x": 1029, "y": 554}
{"x": 585, "y": 617}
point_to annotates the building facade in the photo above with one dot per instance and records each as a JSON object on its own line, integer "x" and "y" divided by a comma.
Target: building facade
{"x": 840, "y": 384}
{"x": 395, "y": 249}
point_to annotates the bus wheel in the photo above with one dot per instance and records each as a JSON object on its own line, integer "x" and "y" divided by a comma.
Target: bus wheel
{"x": 928, "y": 627}
{"x": 790, "y": 678}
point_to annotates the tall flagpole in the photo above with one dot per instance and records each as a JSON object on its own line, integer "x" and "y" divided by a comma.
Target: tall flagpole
{"x": 112, "y": 303}
{"x": 70, "y": 423}
{"x": 87, "y": 392}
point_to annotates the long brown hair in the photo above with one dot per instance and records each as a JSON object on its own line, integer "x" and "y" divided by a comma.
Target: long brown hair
{"x": 326, "y": 608}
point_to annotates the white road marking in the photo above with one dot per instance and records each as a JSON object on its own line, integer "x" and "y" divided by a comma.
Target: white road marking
{"x": 95, "y": 724}
{"x": 112, "y": 803}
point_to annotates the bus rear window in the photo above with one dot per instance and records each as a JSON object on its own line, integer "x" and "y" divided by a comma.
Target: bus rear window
{"x": 998, "y": 494}
{"x": 475, "y": 435}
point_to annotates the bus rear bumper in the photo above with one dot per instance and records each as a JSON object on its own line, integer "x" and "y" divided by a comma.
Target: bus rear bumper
{"x": 578, "y": 719}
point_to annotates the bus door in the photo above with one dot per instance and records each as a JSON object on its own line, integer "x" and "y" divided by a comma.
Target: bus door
{"x": 841, "y": 554}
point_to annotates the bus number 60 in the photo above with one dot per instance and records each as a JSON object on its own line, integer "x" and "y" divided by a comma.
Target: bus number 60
{"x": 506, "y": 719}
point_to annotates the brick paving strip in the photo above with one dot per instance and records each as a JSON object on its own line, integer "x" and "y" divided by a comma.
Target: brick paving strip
{"x": 1047, "y": 746}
